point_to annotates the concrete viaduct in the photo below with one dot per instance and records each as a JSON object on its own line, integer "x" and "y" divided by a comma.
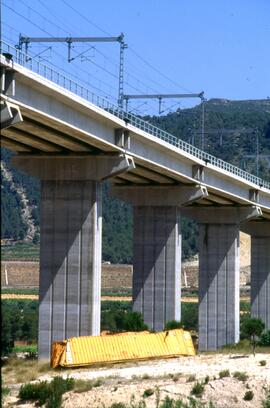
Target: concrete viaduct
{"x": 72, "y": 141}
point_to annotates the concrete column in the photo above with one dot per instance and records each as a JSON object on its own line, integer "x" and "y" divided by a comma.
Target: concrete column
{"x": 70, "y": 261}
{"x": 157, "y": 249}
{"x": 70, "y": 242}
{"x": 260, "y": 269}
{"x": 157, "y": 264}
{"x": 218, "y": 285}
{"x": 219, "y": 273}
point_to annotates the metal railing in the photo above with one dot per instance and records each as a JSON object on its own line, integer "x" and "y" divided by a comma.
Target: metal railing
{"x": 64, "y": 81}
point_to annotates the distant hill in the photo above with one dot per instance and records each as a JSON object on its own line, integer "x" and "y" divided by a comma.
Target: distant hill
{"x": 20, "y": 193}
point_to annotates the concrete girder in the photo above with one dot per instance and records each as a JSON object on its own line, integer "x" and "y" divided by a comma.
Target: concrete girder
{"x": 222, "y": 214}
{"x": 159, "y": 195}
{"x": 74, "y": 167}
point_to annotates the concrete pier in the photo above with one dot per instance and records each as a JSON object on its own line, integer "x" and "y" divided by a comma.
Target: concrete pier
{"x": 218, "y": 285}
{"x": 219, "y": 294}
{"x": 157, "y": 249}
{"x": 157, "y": 264}
{"x": 260, "y": 269}
{"x": 70, "y": 243}
{"x": 70, "y": 261}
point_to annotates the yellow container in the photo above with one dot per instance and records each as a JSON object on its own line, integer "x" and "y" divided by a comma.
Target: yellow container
{"x": 89, "y": 350}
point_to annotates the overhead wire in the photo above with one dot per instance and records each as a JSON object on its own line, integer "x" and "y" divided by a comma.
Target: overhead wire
{"x": 106, "y": 58}
{"x": 46, "y": 32}
{"x": 103, "y": 54}
{"x": 94, "y": 63}
{"x": 75, "y": 10}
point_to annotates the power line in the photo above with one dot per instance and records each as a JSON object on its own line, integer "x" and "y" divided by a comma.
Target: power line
{"x": 86, "y": 18}
{"x": 158, "y": 71}
{"x": 132, "y": 50}
{"x": 45, "y": 31}
{"x": 98, "y": 51}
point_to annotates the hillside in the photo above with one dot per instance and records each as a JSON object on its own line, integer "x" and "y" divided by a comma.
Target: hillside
{"x": 20, "y": 193}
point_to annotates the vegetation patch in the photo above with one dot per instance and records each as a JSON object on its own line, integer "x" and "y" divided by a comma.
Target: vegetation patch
{"x": 197, "y": 389}
{"x": 265, "y": 339}
{"x": 173, "y": 324}
{"x": 240, "y": 375}
{"x": 266, "y": 401}
{"x": 148, "y": 392}
{"x": 191, "y": 378}
{"x": 252, "y": 328}
{"x": 82, "y": 386}
{"x": 47, "y": 393}
{"x": 249, "y": 395}
{"x": 224, "y": 373}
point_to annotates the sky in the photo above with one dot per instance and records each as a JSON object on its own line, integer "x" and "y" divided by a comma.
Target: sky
{"x": 221, "y": 47}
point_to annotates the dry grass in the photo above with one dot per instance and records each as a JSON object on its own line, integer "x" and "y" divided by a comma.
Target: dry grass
{"x": 17, "y": 370}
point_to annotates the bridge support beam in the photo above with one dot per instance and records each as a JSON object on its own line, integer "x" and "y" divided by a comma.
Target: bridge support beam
{"x": 70, "y": 244}
{"x": 219, "y": 273}
{"x": 260, "y": 269}
{"x": 157, "y": 249}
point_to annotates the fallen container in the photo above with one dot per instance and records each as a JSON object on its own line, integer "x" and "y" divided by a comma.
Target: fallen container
{"x": 115, "y": 348}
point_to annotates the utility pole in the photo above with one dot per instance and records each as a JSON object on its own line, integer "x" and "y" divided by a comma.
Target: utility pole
{"x": 70, "y": 40}
{"x": 257, "y": 156}
{"x": 203, "y": 122}
{"x": 220, "y": 133}
{"x": 121, "y": 72}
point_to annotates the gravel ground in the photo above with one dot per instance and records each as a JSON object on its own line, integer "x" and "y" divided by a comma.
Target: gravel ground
{"x": 122, "y": 383}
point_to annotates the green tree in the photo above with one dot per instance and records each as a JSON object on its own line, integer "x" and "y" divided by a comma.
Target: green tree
{"x": 253, "y": 328}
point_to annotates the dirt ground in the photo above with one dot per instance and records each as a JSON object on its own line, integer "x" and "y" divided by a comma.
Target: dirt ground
{"x": 184, "y": 299}
{"x": 128, "y": 382}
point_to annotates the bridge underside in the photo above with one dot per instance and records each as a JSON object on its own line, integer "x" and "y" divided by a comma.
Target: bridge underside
{"x": 39, "y": 135}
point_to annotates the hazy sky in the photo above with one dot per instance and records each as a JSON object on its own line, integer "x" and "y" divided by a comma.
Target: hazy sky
{"x": 219, "y": 46}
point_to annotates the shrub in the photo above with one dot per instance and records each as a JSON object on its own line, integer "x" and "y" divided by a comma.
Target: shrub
{"x": 252, "y": 328}
{"x": 248, "y": 395}
{"x": 19, "y": 322}
{"x": 173, "y": 324}
{"x": 240, "y": 375}
{"x": 168, "y": 403}
{"x": 266, "y": 402}
{"x": 82, "y": 386}
{"x": 148, "y": 392}
{"x": 133, "y": 321}
{"x": 263, "y": 363}
{"x": 44, "y": 392}
{"x": 265, "y": 339}
{"x": 224, "y": 373}
{"x": 207, "y": 379}
{"x": 191, "y": 378}
{"x": 97, "y": 383}
{"x": 189, "y": 316}
{"x": 35, "y": 392}
{"x": 175, "y": 377}
{"x": 4, "y": 392}
{"x": 197, "y": 389}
